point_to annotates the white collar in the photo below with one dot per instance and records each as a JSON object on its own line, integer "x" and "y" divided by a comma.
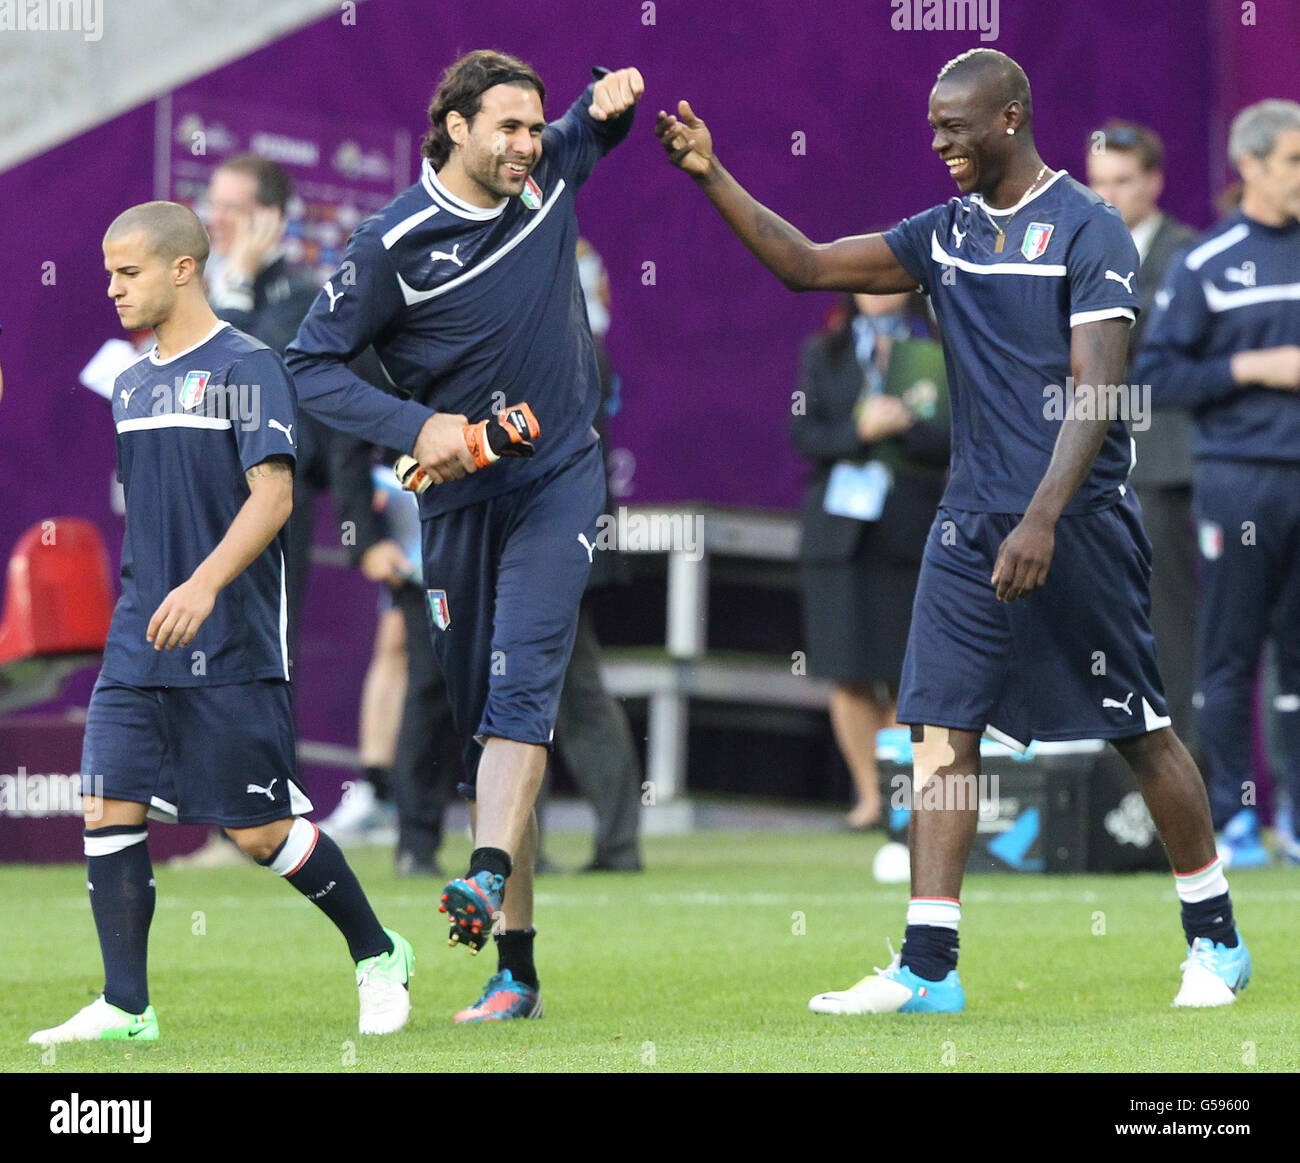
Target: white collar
{"x": 153, "y": 355}
{"x": 454, "y": 205}
{"x": 1028, "y": 197}
{"x": 1144, "y": 233}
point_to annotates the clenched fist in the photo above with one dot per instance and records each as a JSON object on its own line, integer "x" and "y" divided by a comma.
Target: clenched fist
{"x": 441, "y": 450}
{"x": 615, "y": 93}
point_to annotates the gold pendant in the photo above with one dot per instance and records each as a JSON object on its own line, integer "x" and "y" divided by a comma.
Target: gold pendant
{"x": 997, "y": 249}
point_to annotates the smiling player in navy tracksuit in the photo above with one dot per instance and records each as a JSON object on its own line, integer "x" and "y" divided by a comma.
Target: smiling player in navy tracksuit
{"x": 1032, "y": 610}
{"x": 1225, "y": 342}
{"x": 190, "y": 718}
{"x": 467, "y": 287}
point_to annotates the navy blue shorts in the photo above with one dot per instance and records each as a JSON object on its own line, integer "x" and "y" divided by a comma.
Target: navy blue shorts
{"x": 196, "y": 755}
{"x": 505, "y": 579}
{"x": 1076, "y": 659}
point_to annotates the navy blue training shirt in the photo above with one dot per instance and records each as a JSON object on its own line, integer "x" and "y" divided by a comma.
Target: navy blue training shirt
{"x": 1067, "y": 259}
{"x": 187, "y": 430}
{"x": 468, "y": 309}
{"x": 1237, "y": 289}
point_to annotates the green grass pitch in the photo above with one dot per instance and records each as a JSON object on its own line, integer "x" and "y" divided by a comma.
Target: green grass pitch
{"x": 703, "y": 963}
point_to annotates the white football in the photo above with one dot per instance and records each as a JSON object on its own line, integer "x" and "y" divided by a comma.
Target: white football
{"x": 892, "y": 864}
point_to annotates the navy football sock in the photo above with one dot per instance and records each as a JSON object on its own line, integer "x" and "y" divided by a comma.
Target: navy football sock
{"x": 1206, "y": 906}
{"x": 120, "y": 877}
{"x": 311, "y": 862}
{"x": 1210, "y": 918}
{"x": 492, "y": 860}
{"x": 515, "y": 953}
{"x": 930, "y": 951}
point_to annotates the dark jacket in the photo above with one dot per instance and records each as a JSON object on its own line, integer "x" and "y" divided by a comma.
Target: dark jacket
{"x": 282, "y": 296}
{"x": 826, "y": 433}
{"x": 351, "y": 461}
{"x": 1164, "y": 456}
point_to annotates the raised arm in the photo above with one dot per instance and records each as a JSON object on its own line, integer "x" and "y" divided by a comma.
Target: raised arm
{"x": 862, "y": 262}
{"x": 594, "y": 124}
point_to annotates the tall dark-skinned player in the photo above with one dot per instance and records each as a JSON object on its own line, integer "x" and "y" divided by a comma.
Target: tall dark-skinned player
{"x": 1032, "y": 611}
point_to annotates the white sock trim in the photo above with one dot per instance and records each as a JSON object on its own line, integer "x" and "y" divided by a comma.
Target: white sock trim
{"x": 1203, "y": 884}
{"x": 298, "y": 845}
{"x": 94, "y": 845}
{"x": 938, "y": 912}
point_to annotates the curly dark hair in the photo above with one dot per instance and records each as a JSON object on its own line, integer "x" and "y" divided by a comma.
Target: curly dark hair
{"x": 462, "y": 88}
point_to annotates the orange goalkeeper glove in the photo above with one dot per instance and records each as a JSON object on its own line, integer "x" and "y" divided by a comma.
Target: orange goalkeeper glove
{"x": 509, "y": 434}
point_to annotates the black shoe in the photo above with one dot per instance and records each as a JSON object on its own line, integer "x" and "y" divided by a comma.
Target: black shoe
{"x": 407, "y": 864}
{"x": 630, "y": 865}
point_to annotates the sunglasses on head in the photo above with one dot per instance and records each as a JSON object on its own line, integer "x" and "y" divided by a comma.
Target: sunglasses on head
{"x": 1122, "y": 138}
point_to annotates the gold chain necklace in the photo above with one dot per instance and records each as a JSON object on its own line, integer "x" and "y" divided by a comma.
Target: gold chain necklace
{"x": 1002, "y": 236}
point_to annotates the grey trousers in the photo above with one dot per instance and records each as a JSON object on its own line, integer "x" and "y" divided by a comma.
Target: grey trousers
{"x": 1167, "y": 515}
{"x": 595, "y": 742}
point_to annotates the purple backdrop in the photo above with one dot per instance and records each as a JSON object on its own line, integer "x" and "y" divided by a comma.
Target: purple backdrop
{"x": 715, "y": 336}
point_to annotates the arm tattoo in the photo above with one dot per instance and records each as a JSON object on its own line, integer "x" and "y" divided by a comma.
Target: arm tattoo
{"x": 773, "y": 226}
{"x": 272, "y": 466}
{"x": 791, "y": 259}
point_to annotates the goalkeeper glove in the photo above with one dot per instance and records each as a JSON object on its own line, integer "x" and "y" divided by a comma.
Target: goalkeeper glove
{"x": 509, "y": 434}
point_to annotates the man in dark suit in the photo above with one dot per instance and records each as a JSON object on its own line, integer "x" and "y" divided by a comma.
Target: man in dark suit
{"x": 1126, "y": 167}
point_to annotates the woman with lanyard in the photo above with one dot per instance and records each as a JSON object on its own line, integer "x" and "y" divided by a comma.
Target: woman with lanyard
{"x": 872, "y": 418}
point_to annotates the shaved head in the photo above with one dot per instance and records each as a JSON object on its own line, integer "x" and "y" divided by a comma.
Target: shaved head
{"x": 154, "y": 254}
{"x": 995, "y": 75}
{"x": 981, "y": 114}
{"x": 171, "y": 231}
